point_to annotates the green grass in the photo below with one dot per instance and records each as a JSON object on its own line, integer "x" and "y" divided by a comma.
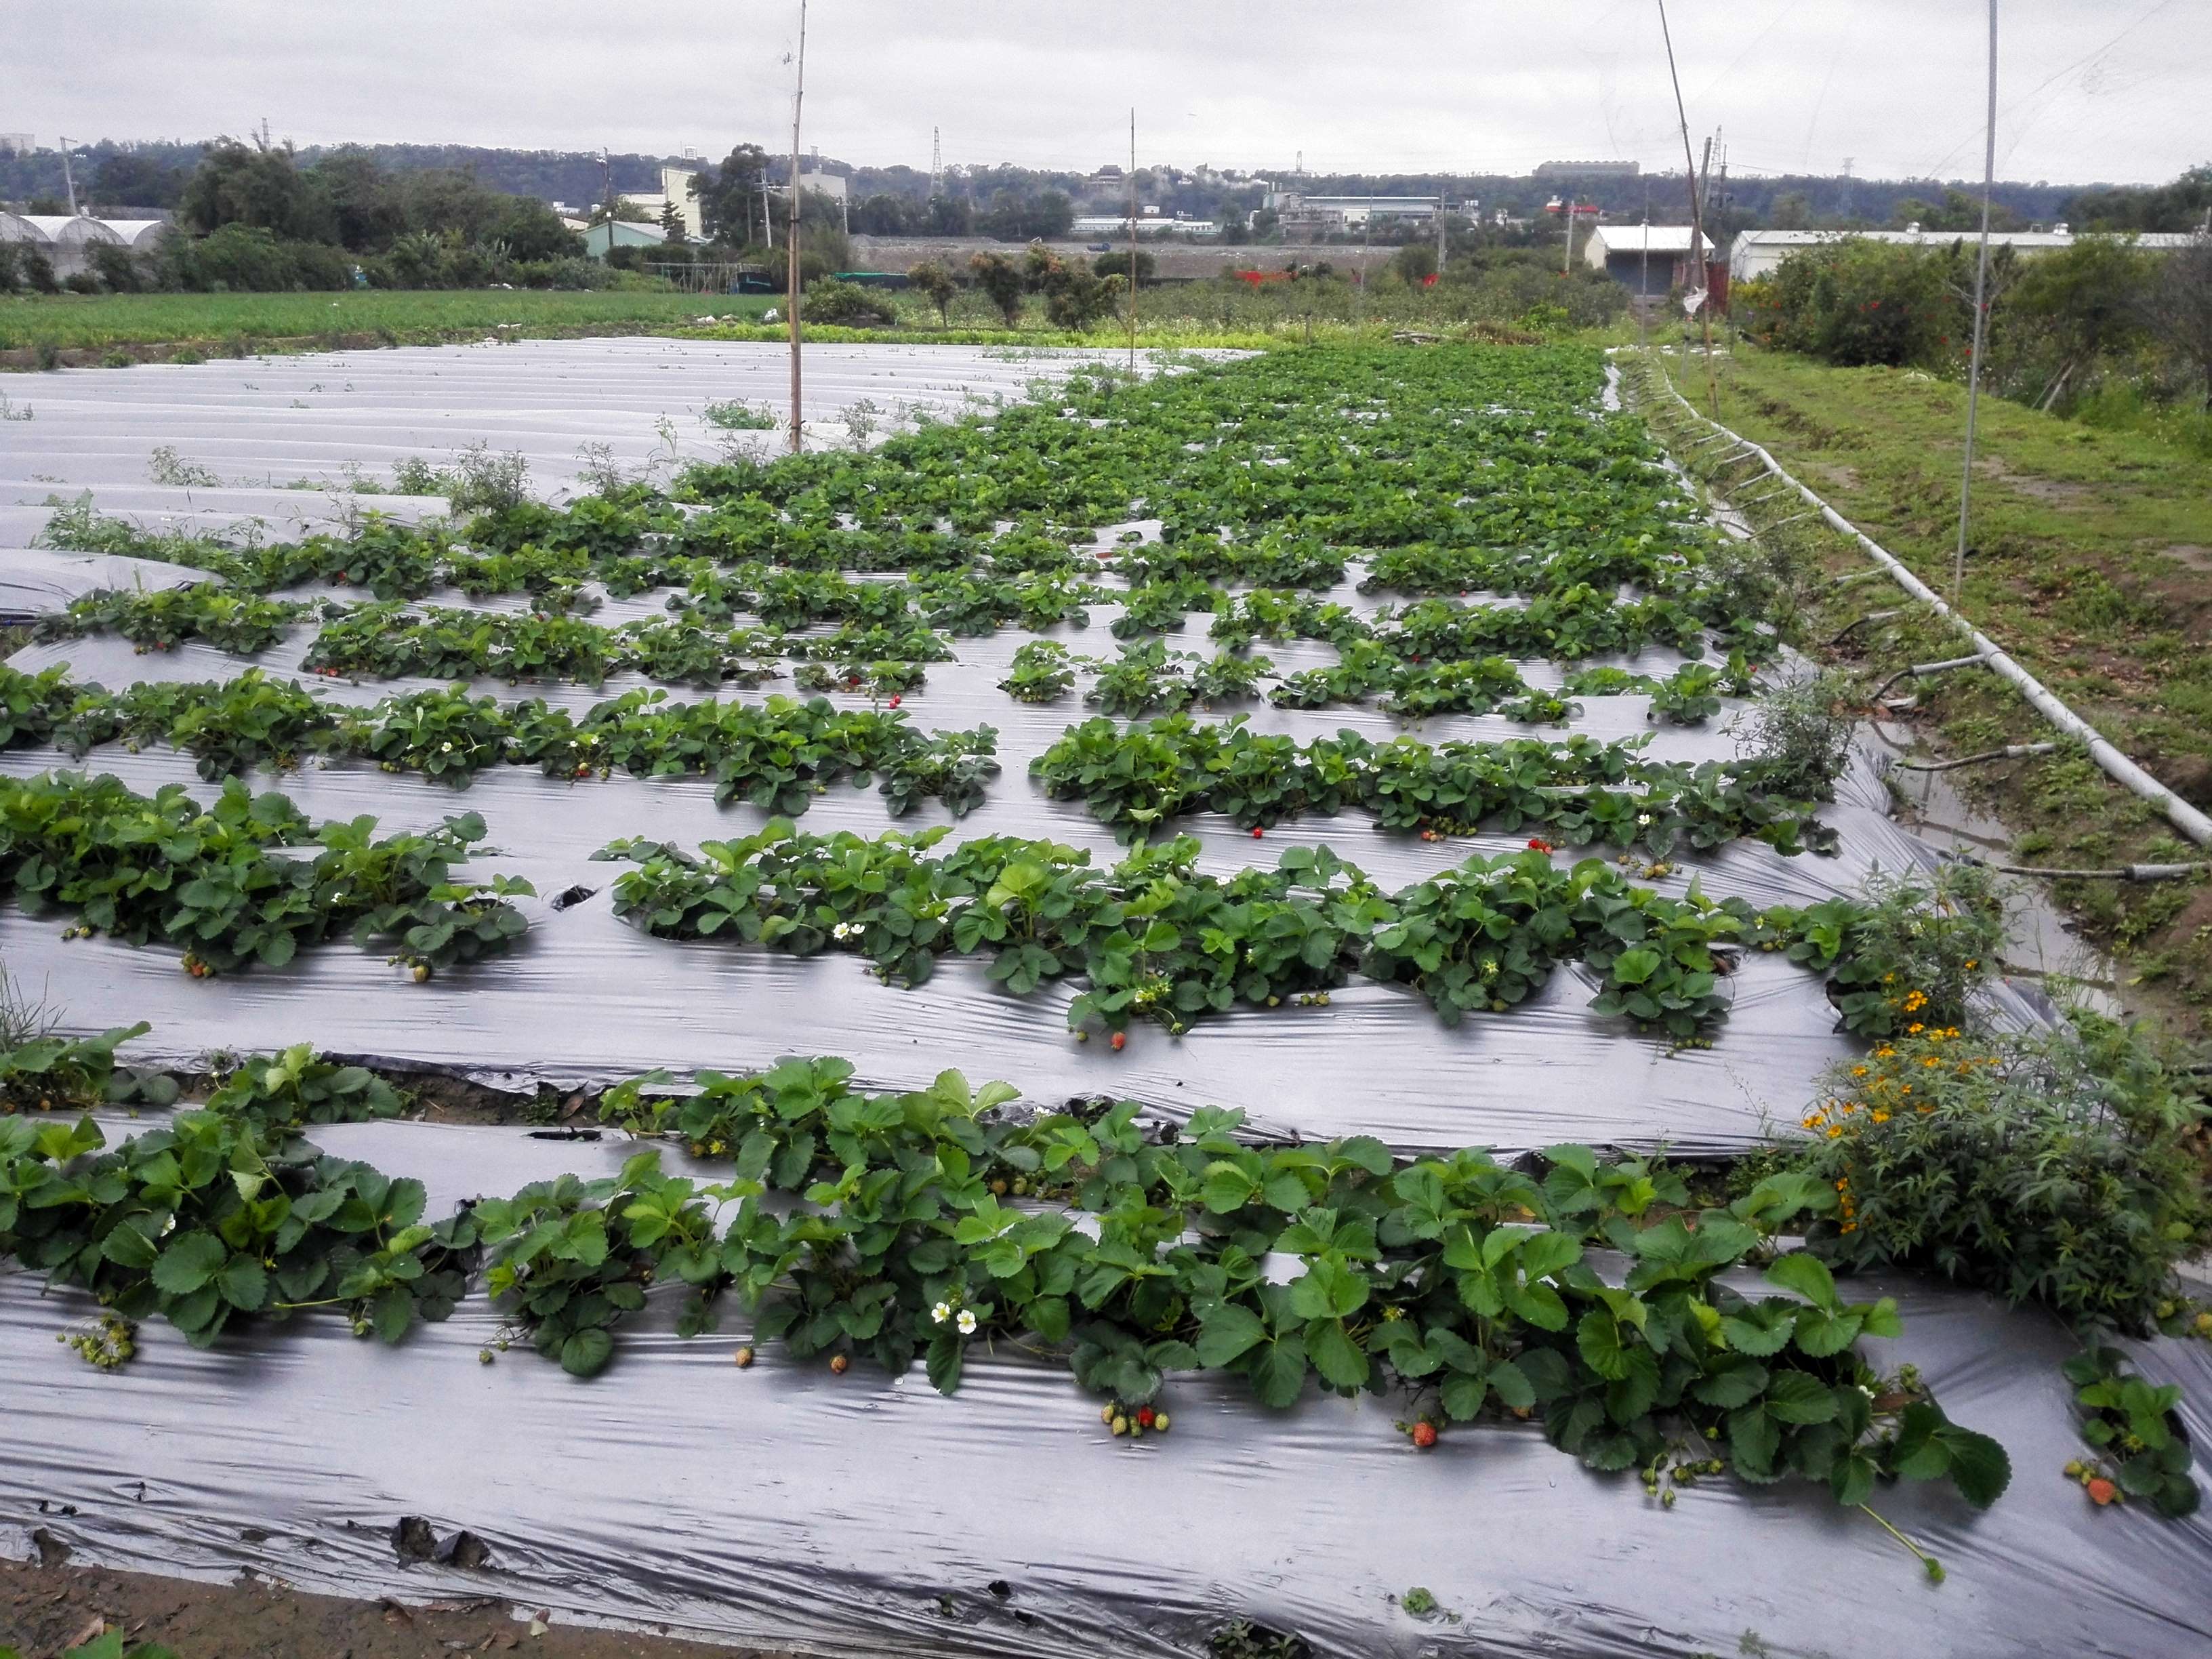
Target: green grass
{"x": 1209, "y": 314}
{"x": 93, "y": 323}
{"x": 2090, "y": 561}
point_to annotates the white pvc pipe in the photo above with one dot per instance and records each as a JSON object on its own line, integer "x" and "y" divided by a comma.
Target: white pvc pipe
{"x": 2184, "y": 817}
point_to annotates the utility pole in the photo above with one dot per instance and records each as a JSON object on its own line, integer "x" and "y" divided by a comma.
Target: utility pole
{"x": 1440, "y": 230}
{"x": 791, "y": 286}
{"x": 1133, "y": 241}
{"x": 936, "y": 163}
{"x": 607, "y": 189}
{"x": 1981, "y": 314}
{"x": 68, "y": 179}
{"x": 1703, "y": 196}
{"x": 1697, "y": 212}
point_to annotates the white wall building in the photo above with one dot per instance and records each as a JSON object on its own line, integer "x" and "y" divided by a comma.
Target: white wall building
{"x": 1757, "y": 253}
{"x": 675, "y": 186}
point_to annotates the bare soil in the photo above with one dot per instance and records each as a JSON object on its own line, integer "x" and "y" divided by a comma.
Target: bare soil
{"x": 45, "y": 1611}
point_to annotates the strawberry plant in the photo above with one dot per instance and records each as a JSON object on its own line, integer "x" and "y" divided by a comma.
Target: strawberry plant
{"x": 214, "y": 1220}
{"x": 571, "y": 1258}
{"x": 1160, "y": 607}
{"x": 2136, "y": 1428}
{"x": 31, "y": 705}
{"x": 299, "y": 1087}
{"x": 48, "y": 1073}
{"x": 1042, "y": 672}
{"x": 212, "y": 881}
{"x": 163, "y": 619}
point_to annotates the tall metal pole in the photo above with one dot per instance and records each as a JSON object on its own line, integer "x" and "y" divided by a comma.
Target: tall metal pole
{"x": 791, "y": 286}
{"x": 1981, "y": 315}
{"x": 1133, "y": 240}
{"x": 1696, "y": 213}
{"x": 1643, "y": 275}
{"x": 68, "y": 179}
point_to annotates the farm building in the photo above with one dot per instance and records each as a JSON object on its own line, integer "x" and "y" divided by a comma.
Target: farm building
{"x": 1648, "y": 258}
{"x": 624, "y": 233}
{"x": 1757, "y": 253}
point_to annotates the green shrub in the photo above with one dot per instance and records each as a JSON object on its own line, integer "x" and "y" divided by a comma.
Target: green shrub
{"x": 848, "y": 304}
{"x": 2049, "y": 1168}
{"x": 1856, "y": 302}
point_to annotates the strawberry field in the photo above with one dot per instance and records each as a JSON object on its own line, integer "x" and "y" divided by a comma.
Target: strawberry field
{"x": 1262, "y": 962}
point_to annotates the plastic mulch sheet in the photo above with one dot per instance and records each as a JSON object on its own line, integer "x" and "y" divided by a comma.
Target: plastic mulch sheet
{"x": 859, "y": 1514}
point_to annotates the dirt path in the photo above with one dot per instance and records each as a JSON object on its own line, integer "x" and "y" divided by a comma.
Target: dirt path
{"x": 46, "y": 1610}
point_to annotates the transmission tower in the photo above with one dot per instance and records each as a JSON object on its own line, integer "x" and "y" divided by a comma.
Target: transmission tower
{"x": 936, "y": 164}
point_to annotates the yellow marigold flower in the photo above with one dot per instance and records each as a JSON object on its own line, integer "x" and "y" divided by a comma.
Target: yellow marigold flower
{"x": 1972, "y": 962}
{"x": 1931, "y": 1059}
{"x": 1881, "y": 1117}
{"x": 1858, "y": 1071}
{"x": 1915, "y": 1028}
{"x": 1835, "y": 1130}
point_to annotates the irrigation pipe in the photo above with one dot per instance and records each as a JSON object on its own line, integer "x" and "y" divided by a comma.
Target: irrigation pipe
{"x": 1921, "y": 670}
{"x": 2184, "y": 817}
{"x": 2010, "y": 752}
{"x": 2125, "y": 873}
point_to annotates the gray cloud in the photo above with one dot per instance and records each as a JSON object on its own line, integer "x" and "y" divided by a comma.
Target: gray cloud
{"x": 2090, "y": 89}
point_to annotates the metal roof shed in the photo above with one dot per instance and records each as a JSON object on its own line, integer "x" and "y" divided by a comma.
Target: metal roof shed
{"x": 1648, "y": 259}
{"x": 623, "y": 232}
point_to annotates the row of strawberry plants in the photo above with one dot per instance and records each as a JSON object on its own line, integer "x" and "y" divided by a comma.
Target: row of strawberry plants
{"x": 627, "y": 546}
{"x": 217, "y": 882}
{"x": 218, "y": 1218}
{"x": 1577, "y": 790}
{"x": 779, "y": 754}
{"x": 390, "y": 641}
{"x": 1465, "y": 1287}
{"x": 1494, "y": 685}
{"x": 1157, "y": 939}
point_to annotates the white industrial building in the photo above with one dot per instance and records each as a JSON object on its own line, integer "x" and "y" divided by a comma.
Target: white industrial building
{"x": 1757, "y": 253}
{"x": 1302, "y": 213}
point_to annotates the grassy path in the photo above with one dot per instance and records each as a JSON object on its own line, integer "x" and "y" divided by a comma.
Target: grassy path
{"x": 2090, "y": 561}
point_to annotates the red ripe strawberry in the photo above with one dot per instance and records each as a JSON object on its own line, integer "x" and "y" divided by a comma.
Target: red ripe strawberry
{"x": 1257, "y": 832}
{"x": 894, "y": 700}
{"x": 2102, "y": 1491}
{"x": 1144, "y": 1416}
{"x": 1425, "y": 1435}
{"x": 1120, "y": 1041}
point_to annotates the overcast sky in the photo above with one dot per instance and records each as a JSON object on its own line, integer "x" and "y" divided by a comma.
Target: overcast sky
{"x": 2088, "y": 90}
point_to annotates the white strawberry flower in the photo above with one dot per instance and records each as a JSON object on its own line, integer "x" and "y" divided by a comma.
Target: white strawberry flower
{"x": 1644, "y": 820}
{"x": 445, "y": 749}
{"x": 940, "y": 1313}
{"x": 966, "y": 1321}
